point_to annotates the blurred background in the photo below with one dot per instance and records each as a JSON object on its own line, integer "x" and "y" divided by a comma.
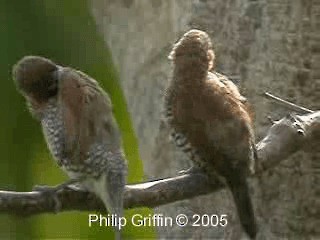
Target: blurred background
{"x": 65, "y": 32}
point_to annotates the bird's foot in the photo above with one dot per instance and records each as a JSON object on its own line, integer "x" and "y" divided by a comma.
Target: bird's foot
{"x": 191, "y": 170}
{"x": 76, "y": 187}
{"x": 51, "y": 192}
{"x": 67, "y": 184}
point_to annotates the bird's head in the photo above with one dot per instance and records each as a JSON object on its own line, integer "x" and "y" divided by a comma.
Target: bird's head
{"x": 36, "y": 78}
{"x": 194, "y": 45}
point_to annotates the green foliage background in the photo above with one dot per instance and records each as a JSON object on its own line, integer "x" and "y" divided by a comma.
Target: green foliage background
{"x": 65, "y": 32}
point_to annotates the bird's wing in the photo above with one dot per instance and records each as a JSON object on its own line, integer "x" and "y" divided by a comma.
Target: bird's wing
{"x": 231, "y": 120}
{"x": 232, "y": 91}
{"x": 230, "y": 87}
{"x": 87, "y": 112}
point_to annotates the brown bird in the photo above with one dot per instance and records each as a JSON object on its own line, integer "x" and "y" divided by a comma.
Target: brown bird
{"x": 210, "y": 120}
{"x": 78, "y": 125}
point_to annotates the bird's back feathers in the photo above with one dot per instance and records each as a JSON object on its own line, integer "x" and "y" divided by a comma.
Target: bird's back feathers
{"x": 87, "y": 113}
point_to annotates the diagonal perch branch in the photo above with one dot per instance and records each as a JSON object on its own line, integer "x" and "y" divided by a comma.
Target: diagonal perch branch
{"x": 285, "y": 137}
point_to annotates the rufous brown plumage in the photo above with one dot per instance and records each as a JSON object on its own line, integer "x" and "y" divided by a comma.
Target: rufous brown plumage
{"x": 210, "y": 120}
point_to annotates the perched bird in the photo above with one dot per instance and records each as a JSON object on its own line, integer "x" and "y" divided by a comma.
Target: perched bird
{"x": 78, "y": 125}
{"x": 210, "y": 121}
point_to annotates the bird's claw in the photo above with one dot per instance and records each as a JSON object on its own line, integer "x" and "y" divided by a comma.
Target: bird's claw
{"x": 76, "y": 187}
{"x": 51, "y": 192}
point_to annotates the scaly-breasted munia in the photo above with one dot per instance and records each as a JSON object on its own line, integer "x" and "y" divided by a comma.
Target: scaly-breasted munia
{"x": 78, "y": 125}
{"x": 210, "y": 120}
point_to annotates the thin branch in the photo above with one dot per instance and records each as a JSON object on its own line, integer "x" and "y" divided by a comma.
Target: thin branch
{"x": 285, "y": 137}
{"x": 287, "y": 104}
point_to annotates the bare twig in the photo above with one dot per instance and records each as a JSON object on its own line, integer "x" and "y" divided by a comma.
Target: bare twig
{"x": 287, "y": 104}
{"x": 285, "y": 137}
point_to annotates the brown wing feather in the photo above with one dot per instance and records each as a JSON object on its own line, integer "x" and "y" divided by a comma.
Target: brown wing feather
{"x": 86, "y": 112}
{"x": 232, "y": 88}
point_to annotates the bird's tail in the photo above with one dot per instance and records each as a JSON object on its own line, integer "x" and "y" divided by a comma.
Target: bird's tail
{"x": 114, "y": 183}
{"x": 236, "y": 180}
{"x": 115, "y": 188}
